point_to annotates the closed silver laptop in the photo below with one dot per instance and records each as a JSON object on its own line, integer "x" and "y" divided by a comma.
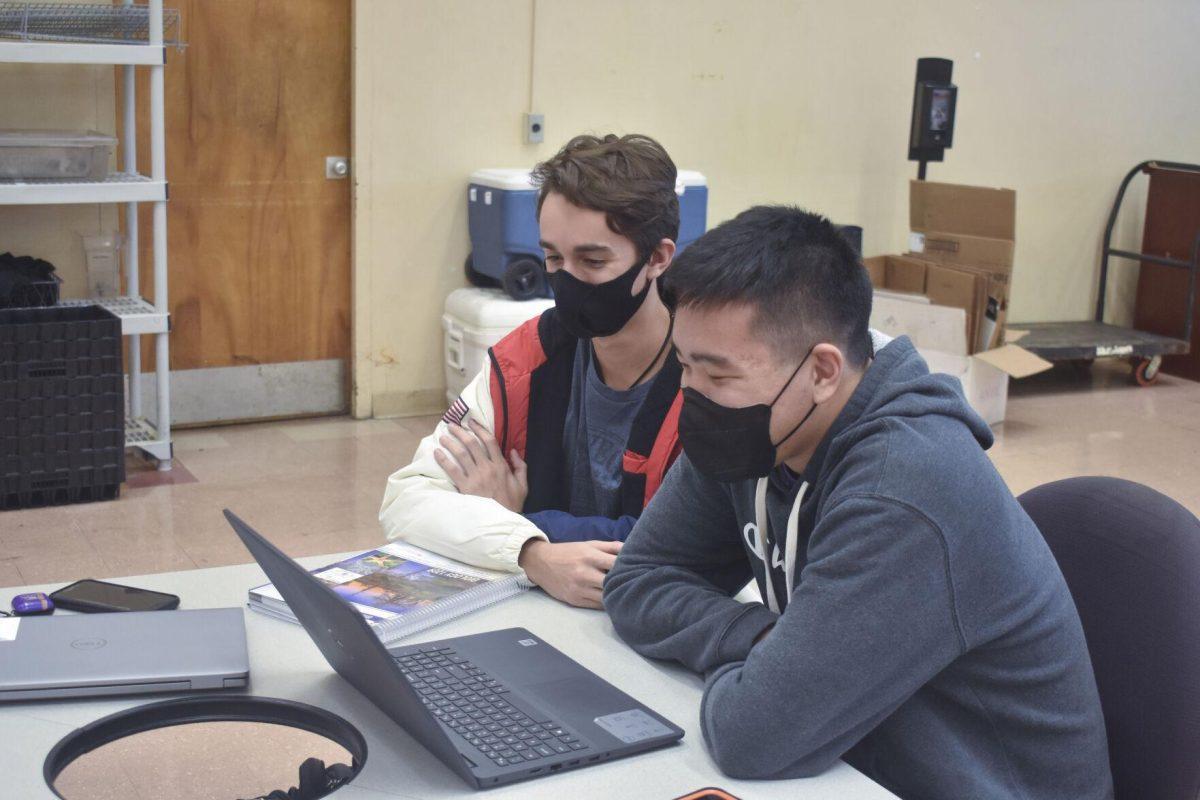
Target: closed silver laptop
{"x": 132, "y": 652}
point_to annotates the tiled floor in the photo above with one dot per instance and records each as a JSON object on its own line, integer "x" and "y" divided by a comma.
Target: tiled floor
{"x": 314, "y": 486}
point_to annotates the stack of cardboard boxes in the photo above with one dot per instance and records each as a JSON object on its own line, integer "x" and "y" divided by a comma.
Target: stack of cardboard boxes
{"x": 949, "y": 293}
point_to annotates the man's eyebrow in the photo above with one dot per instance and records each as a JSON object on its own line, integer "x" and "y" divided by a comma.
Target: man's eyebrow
{"x": 593, "y": 248}
{"x": 707, "y": 358}
{"x": 590, "y": 247}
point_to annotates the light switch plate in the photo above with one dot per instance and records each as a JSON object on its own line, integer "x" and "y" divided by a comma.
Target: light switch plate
{"x": 535, "y": 128}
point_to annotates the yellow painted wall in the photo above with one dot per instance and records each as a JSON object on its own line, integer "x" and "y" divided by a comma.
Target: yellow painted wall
{"x": 791, "y": 101}
{"x": 65, "y": 97}
{"x": 774, "y": 100}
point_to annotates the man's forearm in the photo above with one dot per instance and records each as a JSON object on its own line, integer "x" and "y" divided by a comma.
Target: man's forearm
{"x": 670, "y": 594}
{"x": 669, "y": 613}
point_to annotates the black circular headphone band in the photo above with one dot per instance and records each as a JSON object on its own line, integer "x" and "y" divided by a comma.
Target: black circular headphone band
{"x": 169, "y": 713}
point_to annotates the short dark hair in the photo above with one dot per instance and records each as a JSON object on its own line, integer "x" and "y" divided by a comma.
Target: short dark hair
{"x": 630, "y": 178}
{"x": 796, "y": 270}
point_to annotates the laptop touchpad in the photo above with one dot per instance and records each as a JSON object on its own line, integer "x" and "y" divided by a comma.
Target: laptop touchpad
{"x": 583, "y": 701}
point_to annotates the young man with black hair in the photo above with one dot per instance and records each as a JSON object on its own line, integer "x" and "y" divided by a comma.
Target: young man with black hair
{"x": 916, "y": 624}
{"x": 550, "y": 454}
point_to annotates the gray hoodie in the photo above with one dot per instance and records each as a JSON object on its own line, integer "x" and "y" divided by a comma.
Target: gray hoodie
{"x": 923, "y": 631}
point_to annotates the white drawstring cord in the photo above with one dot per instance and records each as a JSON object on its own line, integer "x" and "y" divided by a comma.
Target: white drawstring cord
{"x": 793, "y": 534}
{"x": 762, "y": 549}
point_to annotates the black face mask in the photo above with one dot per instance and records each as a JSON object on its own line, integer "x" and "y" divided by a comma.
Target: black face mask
{"x": 594, "y": 310}
{"x": 732, "y": 444}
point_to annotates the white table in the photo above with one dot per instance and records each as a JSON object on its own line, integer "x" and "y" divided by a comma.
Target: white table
{"x": 284, "y": 663}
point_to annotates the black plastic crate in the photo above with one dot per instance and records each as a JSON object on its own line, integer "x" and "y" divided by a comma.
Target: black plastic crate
{"x": 31, "y": 449}
{"x": 62, "y": 406}
{"x": 47, "y": 333}
{"x": 77, "y": 452}
{"x": 26, "y": 282}
{"x": 50, "y": 349}
{"x": 36, "y": 489}
{"x": 33, "y": 428}
{"x": 81, "y": 388}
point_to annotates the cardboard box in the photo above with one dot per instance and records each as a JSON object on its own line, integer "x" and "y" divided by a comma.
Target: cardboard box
{"x": 984, "y": 377}
{"x": 929, "y": 326}
{"x": 897, "y": 273}
{"x": 960, "y": 262}
{"x": 965, "y": 225}
{"x": 906, "y": 275}
{"x": 969, "y": 229}
{"x": 942, "y": 285}
{"x": 947, "y": 286}
{"x": 938, "y": 334}
{"x": 984, "y": 386}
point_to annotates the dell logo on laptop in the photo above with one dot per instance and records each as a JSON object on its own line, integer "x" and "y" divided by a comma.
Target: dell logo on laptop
{"x": 527, "y": 642}
{"x": 93, "y": 643}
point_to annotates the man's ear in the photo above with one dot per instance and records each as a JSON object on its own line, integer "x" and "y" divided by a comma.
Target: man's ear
{"x": 829, "y": 366}
{"x": 660, "y": 259}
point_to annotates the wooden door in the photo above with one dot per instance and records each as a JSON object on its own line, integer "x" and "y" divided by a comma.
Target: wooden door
{"x": 258, "y": 236}
{"x": 1172, "y": 224}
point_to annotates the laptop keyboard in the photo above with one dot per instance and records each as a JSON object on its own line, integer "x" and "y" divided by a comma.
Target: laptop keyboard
{"x": 476, "y": 706}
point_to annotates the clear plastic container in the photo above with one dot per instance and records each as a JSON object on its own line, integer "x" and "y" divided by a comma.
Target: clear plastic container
{"x": 55, "y": 155}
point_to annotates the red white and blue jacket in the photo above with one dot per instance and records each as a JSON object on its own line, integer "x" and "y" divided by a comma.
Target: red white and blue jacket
{"x": 521, "y": 395}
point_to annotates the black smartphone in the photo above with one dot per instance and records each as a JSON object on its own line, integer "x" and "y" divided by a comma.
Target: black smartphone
{"x": 99, "y": 597}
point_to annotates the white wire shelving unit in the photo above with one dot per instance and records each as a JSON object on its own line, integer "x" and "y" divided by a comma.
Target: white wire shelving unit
{"x": 128, "y": 35}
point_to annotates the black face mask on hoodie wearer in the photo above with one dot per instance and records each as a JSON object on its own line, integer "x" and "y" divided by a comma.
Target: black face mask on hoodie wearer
{"x": 596, "y": 310}
{"x": 732, "y": 444}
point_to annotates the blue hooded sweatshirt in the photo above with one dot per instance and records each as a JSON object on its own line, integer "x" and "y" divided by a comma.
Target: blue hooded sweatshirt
{"x": 922, "y": 629}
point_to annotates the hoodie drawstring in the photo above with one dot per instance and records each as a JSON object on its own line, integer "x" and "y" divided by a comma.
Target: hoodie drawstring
{"x": 760, "y": 542}
{"x": 761, "y": 548}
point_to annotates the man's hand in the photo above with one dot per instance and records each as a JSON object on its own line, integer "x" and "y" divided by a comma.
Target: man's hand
{"x": 570, "y": 571}
{"x": 473, "y": 460}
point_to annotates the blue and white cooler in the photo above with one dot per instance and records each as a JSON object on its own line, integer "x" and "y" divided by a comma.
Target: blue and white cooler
{"x": 502, "y": 219}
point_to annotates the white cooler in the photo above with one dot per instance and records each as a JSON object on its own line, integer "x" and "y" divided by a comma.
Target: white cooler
{"x": 476, "y": 319}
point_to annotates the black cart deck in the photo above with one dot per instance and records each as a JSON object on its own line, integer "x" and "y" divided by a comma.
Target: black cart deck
{"x": 1071, "y": 341}
{"x": 1068, "y": 341}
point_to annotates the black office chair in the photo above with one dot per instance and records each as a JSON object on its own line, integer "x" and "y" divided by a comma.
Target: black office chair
{"x": 1131, "y": 557}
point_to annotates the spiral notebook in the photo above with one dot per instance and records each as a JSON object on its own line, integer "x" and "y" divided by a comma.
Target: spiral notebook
{"x": 401, "y": 589}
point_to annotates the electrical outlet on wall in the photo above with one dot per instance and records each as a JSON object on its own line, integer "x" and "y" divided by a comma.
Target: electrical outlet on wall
{"x": 535, "y": 128}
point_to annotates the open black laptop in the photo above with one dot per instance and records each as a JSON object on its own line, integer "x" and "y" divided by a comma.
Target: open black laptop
{"x": 496, "y": 707}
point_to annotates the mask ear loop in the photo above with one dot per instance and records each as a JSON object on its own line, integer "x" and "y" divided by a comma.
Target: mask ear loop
{"x": 795, "y": 372}
{"x": 784, "y": 389}
{"x": 798, "y": 424}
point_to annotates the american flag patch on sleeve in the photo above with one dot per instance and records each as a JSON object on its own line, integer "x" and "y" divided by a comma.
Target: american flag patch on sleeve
{"x": 456, "y": 413}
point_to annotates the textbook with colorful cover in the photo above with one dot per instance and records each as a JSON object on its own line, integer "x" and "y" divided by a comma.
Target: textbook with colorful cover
{"x": 401, "y": 589}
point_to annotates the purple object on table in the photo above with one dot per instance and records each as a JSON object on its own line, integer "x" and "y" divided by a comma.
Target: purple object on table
{"x": 27, "y": 605}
